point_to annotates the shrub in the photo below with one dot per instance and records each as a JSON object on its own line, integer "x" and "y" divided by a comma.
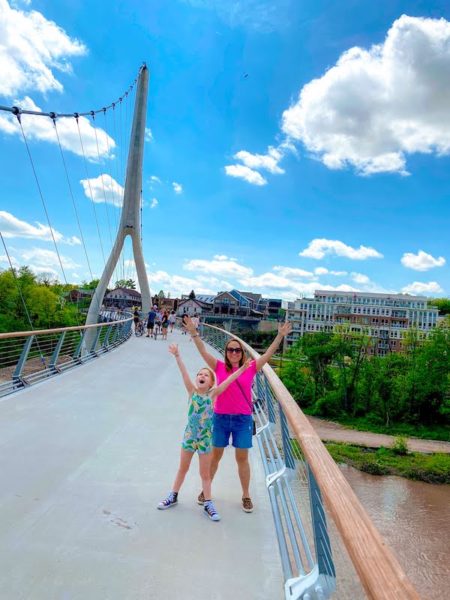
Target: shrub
{"x": 400, "y": 446}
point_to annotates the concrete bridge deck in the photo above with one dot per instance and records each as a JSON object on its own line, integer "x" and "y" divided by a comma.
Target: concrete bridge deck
{"x": 86, "y": 456}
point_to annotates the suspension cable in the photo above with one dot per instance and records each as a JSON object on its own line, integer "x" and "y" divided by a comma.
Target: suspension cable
{"x": 116, "y": 224}
{"x": 38, "y": 113}
{"x": 73, "y": 200}
{"x": 17, "y": 282}
{"x": 102, "y": 180}
{"x": 19, "y": 289}
{"x": 41, "y": 195}
{"x": 90, "y": 191}
{"x": 115, "y": 212}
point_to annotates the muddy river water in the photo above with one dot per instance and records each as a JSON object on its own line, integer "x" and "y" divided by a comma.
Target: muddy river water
{"x": 414, "y": 519}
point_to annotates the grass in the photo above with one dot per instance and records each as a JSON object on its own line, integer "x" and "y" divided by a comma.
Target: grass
{"x": 432, "y": 468}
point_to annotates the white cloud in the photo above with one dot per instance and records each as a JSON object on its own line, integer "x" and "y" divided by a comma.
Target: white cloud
{"x": 42, "y": 129}
{"x": 154, "y": 179}
{"x": 103, "y": 187}
{"x": 318, "y": 248}
{"x": 38, "y": 258}
{"x": 293, "y": 272}
{"x": 154, "y": 203}
{"x": 221, "y": 267}
{"x": 73, "y": 241}
{"x": 421, "y": 261}
{"x": 376, "y": 106}
{"x": 148, "y": 135}
{"x": 268, "y": 161}
{"x": 288, "y": 289}
{"x": 178, "y": 188}
{"x": 324, "y": 271}
{"x": 177, "y": 284}
{"x": 418, "y": 288}
{"x": 243, "y": 172}
{"x": 360, "y": 278}
{"x": 32, "y": 49}
{"x": 12, "y": 227}
{"x": 4, "y": 259}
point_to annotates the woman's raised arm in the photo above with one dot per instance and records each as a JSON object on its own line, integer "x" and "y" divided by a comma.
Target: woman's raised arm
{"x": 210, "y": 360}
{"x": 283, "y": 330}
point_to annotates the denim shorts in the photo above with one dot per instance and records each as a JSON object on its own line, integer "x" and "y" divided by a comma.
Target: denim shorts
{"x": 240, "y": 427}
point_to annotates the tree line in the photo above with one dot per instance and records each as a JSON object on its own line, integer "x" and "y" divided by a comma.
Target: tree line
{"x": 333, "y": 375}
{"x": 30, "y": 301}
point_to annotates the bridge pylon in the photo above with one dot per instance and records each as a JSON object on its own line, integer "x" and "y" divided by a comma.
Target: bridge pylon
{"x": 130, "y": 222}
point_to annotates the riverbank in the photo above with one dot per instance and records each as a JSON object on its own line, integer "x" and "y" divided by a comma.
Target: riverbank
{"x": 436, "y": 432}
{"x": 431, "y": 468}
{"x": 329, "y": 431}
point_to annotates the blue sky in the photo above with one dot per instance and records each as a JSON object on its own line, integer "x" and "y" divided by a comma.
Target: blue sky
{"x": 292, "y": 146}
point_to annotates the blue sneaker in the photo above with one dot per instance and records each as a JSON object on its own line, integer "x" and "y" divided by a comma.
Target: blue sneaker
{"x": 210, "y": 510}
{"x": 171, "y": 500}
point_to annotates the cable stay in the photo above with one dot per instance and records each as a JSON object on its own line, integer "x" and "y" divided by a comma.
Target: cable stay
{"x": 73, "y": 200}
{"x": 22, "y": 298}
{"x": 103, "y": 183}
{"x": 42, "y": 197}
{"x": 17, "y": 110}
{"x": 90, "y": 192}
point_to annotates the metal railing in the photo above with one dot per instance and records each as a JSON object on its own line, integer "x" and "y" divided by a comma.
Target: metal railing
{"x": 302, "y": 479}
{"x": 27, "y": 357}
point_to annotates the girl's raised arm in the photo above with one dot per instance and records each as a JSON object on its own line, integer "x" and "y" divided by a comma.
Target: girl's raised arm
{"x": 210, "y": 360}
{"x": 223, "y": 386}
{"x": 173, "y": 349}
{"x": 283, "y": 331}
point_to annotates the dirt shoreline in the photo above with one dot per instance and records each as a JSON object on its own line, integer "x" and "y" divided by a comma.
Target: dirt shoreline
{"x": 334, "y": 432}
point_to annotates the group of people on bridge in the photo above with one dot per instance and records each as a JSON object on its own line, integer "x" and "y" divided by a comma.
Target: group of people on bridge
{"x": 220, "y": 410}
{"x": 158, "y": 322}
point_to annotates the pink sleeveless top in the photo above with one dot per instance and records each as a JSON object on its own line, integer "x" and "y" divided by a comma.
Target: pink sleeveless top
{"x": 232, "y": 401}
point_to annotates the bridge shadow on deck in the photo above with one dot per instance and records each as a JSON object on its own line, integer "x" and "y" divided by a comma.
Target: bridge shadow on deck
{"x": 86, "y": 456}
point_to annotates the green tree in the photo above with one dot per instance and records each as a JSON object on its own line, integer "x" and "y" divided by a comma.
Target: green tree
{"x": 126, "y": 283}
{"x": 443, "y": 304}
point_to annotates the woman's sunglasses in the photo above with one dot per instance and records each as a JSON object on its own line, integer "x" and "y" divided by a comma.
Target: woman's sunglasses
{"x": 235, "y": 350}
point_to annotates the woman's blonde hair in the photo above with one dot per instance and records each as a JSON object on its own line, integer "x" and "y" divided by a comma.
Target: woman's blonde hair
{"x": 228, "y": 365}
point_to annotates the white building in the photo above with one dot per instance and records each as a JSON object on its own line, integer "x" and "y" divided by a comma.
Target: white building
{"x": 193, "y": 307}
{"x": 385, "y": 317}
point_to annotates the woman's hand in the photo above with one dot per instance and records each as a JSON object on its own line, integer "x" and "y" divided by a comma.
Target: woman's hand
{"x": 173, "y": 349}
{"x": 285, "y": 329}
{"x": 247, "y": 363}
{"x": 189, "y": 325}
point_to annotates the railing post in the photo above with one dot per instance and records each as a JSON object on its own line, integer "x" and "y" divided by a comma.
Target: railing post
{"x": 17, "y": 375}
{"x": 270, "y": 407}
{"x": 56, "y": 351}
{"x": 95, "y": 342}
{"x": 324, "y": 557}
{"x": 77, "y": 353}
{"x": 116, "y": 334}
{"x": 287, "y": 448}
{"x": 106, "y": 340}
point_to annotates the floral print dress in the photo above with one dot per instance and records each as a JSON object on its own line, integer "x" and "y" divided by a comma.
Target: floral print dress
{"x": 198, "y": 435}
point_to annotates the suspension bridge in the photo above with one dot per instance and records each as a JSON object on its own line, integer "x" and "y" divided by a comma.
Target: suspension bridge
{"x": 90, "y": 423}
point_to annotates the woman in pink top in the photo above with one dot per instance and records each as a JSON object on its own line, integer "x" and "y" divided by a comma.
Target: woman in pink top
{"x": 233, "y": 408}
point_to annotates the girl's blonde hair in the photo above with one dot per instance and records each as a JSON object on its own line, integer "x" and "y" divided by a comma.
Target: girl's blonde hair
{"x": 211, "y": 372}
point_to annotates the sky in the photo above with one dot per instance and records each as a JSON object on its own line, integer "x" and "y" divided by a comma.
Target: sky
{"x": 290, "y": 145}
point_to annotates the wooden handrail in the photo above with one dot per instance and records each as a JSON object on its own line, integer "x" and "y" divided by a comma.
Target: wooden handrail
{"x": 59, "y": 329}
{"x": 379, "y": 571}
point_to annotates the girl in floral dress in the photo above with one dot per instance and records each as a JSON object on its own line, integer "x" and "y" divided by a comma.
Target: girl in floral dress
{"x": 197, "y": 435}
